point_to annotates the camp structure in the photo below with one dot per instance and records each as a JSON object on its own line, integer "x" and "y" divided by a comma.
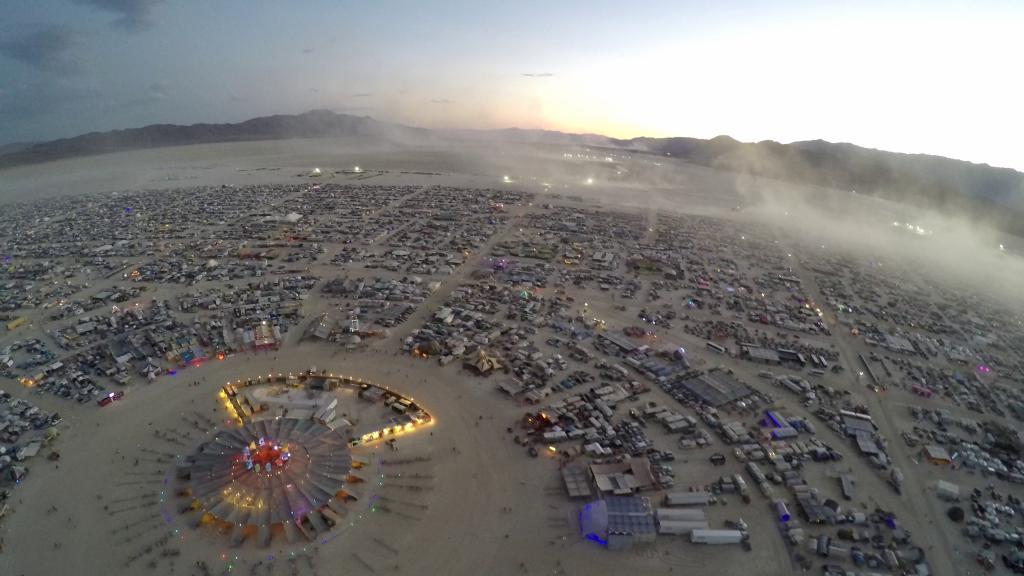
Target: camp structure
{"x": 619, "y": 522}
{"x": 482, "y": 363}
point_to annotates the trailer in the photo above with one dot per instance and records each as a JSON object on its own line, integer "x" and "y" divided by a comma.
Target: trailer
{"x": 846, "y": 483}
{"x": 755, "y": 472}
{"x": 784, "y": 433}
{"x": 947, "y": 490}
{"x": 678, "y": 499}
{"x": 16, "y": 323}
{"x": 681, "y": 527}
{"x": 781, "y": 511}
{"x": 680, "y": 514}
{"x": 677, "y": 426}
{"x": 704, "y": 536}
{"x": 716, "y": 348}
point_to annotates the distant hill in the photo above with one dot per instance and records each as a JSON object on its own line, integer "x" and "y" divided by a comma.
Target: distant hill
{"x": 849, "y": 167}
{"x": 13, "y": 147}
{"x": 313, "y": 124}
{"x": 954, "y": 186}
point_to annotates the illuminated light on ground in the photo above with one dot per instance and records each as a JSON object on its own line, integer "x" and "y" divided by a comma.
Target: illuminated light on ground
{"x": 912, "y": 228}
{"x": 589, "y": 181}
{"x": 506, "y": 179}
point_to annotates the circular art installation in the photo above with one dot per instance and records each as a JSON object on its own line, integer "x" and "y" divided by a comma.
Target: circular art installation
{"x": 273, "y": 477}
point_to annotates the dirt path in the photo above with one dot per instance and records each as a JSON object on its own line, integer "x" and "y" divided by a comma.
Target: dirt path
{"x": 426, "y": 308}
{"x": 922, "y": 513}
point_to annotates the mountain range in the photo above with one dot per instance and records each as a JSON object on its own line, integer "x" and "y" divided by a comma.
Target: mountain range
{"x": 955, "y": 186}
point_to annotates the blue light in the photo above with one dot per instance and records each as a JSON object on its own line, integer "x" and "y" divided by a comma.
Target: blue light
{"x": 590, "y": 535}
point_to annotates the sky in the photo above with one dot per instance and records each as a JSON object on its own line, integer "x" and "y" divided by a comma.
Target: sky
{"x": 922, "y": 77}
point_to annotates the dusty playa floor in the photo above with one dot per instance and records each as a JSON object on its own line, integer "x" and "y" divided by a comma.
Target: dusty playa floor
{"x": 106, "y": 508}
{"x": 458, "y": 497}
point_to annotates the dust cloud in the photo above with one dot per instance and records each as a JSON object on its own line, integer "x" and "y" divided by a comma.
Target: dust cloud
{"x": 962, "y": 252}
{"x": 937, "y": 244}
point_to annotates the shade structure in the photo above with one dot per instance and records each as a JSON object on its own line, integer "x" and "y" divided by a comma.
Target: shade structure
{"x": 275, "y": 472}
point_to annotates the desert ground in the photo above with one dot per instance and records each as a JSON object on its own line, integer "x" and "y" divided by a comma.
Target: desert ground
{"x": 481, "y": 504}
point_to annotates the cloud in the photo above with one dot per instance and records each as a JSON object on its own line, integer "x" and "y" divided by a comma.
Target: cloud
{"x": 34, "y": 98}
{"x": 537, "y": 74}
{"x": 314, "y": 89}
{"x": 362, "y": 95}
{"x": 133, "y": 15}
{"x": 442, "y": 101}
{"x": 354, "y": 109}
{"x": 307, "y": 50}
{"x": 156, "y": 92}
{"x": 45, "y": 49}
